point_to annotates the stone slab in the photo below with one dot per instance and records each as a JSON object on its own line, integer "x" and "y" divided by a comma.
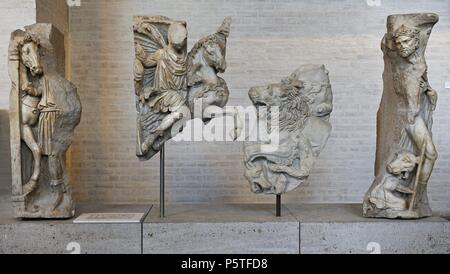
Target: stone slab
{"x": 109, "y": 218}
{"x": 64, "y": 237}
{"x": 338, "y": 228}
{"x": 232, "y": 228}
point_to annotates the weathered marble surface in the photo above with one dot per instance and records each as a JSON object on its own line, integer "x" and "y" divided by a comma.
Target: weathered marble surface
{"x": 305, "y": 102}
{"x": 170, "y": 83}
{"x": 44, "y": 111}
{"x": 405, "y": 149}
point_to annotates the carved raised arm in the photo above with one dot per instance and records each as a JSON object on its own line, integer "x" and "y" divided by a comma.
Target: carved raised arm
{"x": 147, "y": 59}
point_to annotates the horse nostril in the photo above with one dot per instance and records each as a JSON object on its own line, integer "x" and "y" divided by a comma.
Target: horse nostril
{"x": 36, "y": 70}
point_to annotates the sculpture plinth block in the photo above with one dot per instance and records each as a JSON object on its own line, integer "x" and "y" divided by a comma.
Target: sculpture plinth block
{"x": 405, "y": 150}
{"x": 305, "y": 102}
{"x": 44, "y": 111}
{"x": 227, "y": 228}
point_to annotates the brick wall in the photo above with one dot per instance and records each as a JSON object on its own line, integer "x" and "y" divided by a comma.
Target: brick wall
{"x": 55, "y": 12}
{"x": 269, "y": 39}
{"x": 14, "y": 15}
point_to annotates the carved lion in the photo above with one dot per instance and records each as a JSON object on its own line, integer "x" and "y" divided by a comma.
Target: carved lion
{"x": 403, "y": 164}
{"x": 391, "y": 192}
{"x": 303, "y": 130}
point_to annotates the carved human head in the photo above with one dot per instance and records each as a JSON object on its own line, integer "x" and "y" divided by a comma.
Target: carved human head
{"x": 406, "y": 40}
{"x": 177, "y": 36}
{"x": 29, "y": 54}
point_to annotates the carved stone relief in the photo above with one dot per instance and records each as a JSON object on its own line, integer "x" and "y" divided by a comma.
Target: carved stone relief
{"x": 169, "y": 80}
{"x": 305, "y": 102}
{"x": 405, "y": 149}
{"x": 44, "y": 111}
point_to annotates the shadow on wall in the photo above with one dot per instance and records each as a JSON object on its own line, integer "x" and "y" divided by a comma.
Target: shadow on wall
{"x": 5, "y": 153}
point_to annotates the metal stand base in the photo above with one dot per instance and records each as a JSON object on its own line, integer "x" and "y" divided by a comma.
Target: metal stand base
{"x": 278, "y": 206}
{"x": 161, "y": 182}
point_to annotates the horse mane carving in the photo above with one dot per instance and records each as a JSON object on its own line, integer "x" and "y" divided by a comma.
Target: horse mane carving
{"x": 219, "y": 38}
{"x": 29, "y": 37}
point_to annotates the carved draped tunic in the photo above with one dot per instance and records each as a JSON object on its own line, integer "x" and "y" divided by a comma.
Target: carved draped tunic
{"x": 170, "y": 81}
{"x": 47, "y": 118}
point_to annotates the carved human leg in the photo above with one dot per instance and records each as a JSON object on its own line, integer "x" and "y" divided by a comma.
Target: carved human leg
{"x": 421, "y": 137}
{"x": 168, "y": 122}
{"x": 55, "y": 170}
{"x": 28, "y": 138}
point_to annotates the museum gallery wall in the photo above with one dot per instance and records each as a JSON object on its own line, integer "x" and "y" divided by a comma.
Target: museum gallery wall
{"x": 262, "y": 48}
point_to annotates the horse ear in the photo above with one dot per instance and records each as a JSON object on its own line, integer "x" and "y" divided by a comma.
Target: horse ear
{"x": 224, "y": 29}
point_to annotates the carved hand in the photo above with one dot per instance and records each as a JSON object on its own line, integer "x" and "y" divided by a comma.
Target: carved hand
{"x": 412, "y": 113}
{"x": 146, "y": 94}
{"x": 139, "y": 51}
{"x": 432, "y": 96}
{"x": 142, "y": 98}
{"x": 29, "y": 89}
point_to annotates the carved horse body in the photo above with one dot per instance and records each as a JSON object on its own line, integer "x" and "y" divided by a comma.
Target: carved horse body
{"x": 29, "y": 68}
{"x": 206, "y": 59}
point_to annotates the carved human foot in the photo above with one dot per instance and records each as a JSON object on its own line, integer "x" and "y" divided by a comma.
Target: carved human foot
{"x": 147, "y": 144}
{"x": 145, "y": 148}
{"x": 158, "y": 144}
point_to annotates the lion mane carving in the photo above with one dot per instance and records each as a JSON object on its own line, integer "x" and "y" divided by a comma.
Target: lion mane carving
{"x": 305, "y": 103}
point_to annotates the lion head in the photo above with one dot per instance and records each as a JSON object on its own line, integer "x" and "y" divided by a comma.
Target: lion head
{"x": 287, "y": 95}
{"x": 403, "y": 164}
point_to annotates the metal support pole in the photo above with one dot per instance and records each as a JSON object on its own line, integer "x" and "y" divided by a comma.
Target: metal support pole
{"x": 161, "y": 183}
{"x": 278, "y": 211}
